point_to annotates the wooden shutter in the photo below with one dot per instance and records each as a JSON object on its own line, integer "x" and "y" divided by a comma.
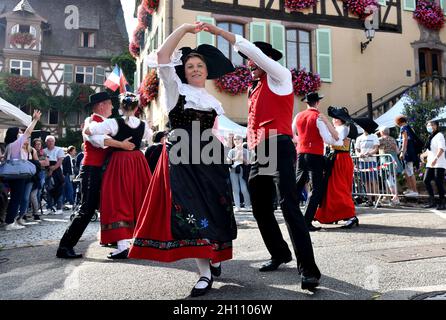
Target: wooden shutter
{"x": 100, "y": 76}
{"x": 68, "y": 73}
{"x": 205, "y": 37}
{"x": 324, "y": 60}
{"x": 409, "y": 5}
{"x": 257, "y": 31}
{"x": 277, "y": 35}
{"x": 443, "y": 5}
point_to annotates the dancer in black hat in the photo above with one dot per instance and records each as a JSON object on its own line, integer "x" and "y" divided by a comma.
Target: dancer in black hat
{"x": 91, "y": 173}
{"x": 271, "y": 101}
{"x": 337, "y": 203}
{"x": 187, "y": 212}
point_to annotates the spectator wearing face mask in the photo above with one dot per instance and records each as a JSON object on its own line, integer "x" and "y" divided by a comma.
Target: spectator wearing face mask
{"x": 435, "y": 164}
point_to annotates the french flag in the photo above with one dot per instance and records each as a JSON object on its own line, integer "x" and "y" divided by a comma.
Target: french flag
{"x": 116, "y": 80}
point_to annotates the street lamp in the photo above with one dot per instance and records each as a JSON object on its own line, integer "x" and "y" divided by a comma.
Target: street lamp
{"x": 369, "y": 34}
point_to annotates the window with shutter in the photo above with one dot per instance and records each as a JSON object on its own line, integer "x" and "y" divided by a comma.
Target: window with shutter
{"x": 298, "y": 49}
{"x": 224, "y": 46}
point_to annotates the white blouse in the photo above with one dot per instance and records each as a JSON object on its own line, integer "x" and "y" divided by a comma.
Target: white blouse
{"x": 438, "y": 142}
{"x": 278, "y": 77}
{"x": 110, "y": 127}
{"x": 196, "y": 98}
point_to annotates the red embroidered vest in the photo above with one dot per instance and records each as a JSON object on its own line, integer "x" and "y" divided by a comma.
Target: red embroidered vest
{"x": 268, "y": 111}
{"x": 310, "y": 140}
{"x": 94, "y": 156}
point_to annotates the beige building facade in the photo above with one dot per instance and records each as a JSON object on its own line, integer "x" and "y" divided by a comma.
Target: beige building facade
{"x": 326, "y": 40}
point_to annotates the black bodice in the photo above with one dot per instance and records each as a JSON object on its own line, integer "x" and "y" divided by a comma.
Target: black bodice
{"x": 183, "y": 118}
{"x": 124, "y": 132}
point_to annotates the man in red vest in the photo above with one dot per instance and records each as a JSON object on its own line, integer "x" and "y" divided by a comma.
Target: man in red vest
{"x": 313, "y": 129}
{"x": 90, "y": 174}
{"x": 271, "y": 102}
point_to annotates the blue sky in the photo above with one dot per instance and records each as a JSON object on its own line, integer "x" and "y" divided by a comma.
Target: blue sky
{"x": 129, "y": 8}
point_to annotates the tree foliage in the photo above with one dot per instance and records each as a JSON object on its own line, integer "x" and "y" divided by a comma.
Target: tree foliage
{"x": 419, "y": 112}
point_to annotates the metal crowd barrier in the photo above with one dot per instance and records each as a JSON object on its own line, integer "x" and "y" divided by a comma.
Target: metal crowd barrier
{"x": 375, "y": 178}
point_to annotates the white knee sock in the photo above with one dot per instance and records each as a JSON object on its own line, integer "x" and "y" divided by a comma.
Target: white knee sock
{"x": 205, "y": 271}
{"x": 215, "y": 265}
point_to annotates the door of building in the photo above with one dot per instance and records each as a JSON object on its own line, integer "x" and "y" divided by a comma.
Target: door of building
{"x": 430, "y": 62}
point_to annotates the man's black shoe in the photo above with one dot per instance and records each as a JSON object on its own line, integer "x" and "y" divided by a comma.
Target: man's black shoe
{"x": 67, "y": 253}
{"x": 309, "y": 283}
{"x": 121, "y": 255}
{"x": 313, "y": 228}
{"x": 273, "y": 264}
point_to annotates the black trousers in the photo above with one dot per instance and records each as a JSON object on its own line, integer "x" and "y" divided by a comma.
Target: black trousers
{"x": 311, "y": 166}
{"x": 90, "y": 186}
{"x": 262, "y": 189}
{"x": 436, "y": 174}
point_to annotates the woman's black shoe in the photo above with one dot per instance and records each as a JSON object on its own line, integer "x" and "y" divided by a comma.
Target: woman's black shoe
{"x": 215, "y": 271}
{"x": 351, "y": 223}
{"x": 200, "y": 292}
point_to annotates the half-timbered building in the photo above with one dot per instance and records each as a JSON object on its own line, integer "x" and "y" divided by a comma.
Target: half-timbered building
{"x": 62, "y": 42}
{"x": 325, "y": 39}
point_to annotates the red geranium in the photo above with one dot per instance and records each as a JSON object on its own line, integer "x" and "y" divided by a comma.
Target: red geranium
{"x": 149, "y": 88}
{"x": 305, "y": 82}
{"x": 151, "y": 6}
{"x": 361, "y": 8}
{"x": 134, "y": 49}
{"x": 236, "y": 82}
{"x": 296, "y": 5}
{"x": 143, "y": 16}
{"x": 22, "y": 38}
{"x": 429, "y": 14}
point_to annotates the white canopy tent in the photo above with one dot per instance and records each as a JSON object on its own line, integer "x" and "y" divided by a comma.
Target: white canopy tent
{"x": 388, "y": 119}
{"x": 224, "y": 126}
{"x": 11, "y": 116}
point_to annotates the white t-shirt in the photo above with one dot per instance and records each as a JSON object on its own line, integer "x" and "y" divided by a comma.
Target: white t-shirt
{"x": 366, "y": 144}
{"x": 55, "y": 154}
{"x": 438, "y": 142}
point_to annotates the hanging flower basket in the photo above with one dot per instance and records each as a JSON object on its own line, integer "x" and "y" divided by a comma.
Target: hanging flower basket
{"x": 138, "y": 34}
{"x": 134, "y": 49}
{"x": 151, "y": 6}
{"x": 236, "y": 82}
{"x": 22, "y": 39}
{"x": 429, "y": 14}
{"x": 361, "y": 8}
{"x": 143, "y": 16}
{"x": 305, "y": 82}
{"x": 149, "y": 88}
{"x": 296, "y": 5}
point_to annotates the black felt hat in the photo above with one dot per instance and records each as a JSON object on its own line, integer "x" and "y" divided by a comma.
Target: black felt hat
{"x": 266, "y": 49}
{"x": 97, "y": 98}
{"x": 367, "y": 124}
{"x": 341, "y": 113}
{"x": 216, "y": 62}
{"x": 312, "y": 97}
